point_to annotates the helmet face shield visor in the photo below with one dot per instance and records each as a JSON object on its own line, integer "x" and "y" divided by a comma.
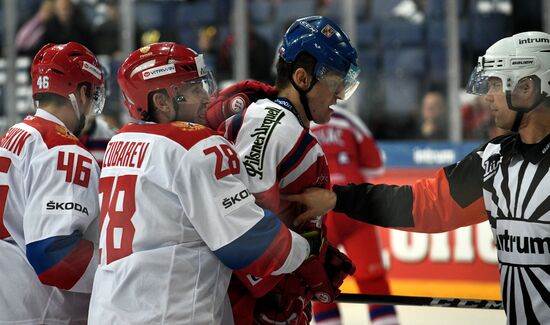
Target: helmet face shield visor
{"x": 196, "y": 90}
{"x": 482, "y": 81}
{"x": 98, "y": 98}
{"x": 342, "y": 86}
{"x": 520, "y": 93}
{"x": 509, "y": 69}
{"x": 478, "y": 84}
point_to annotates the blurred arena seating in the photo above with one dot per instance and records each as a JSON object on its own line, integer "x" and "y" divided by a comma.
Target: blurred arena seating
{"x": 401, "y": 46}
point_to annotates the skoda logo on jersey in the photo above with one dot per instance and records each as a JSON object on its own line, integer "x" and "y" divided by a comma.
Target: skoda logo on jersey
{"x": 228, "y": 202}
{"x": 66, "y": 206}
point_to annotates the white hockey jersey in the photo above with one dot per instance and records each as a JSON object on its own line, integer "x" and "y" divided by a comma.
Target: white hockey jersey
{"x": 176, "y": 217}
{"x": 281, "y": 156}
{"x": 48, "y": 223}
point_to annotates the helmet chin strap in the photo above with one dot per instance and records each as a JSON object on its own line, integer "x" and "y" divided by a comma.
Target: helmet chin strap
{"x": 303, "y": 96}
{"x": 521, "y": 110}
{"x": 80, "y": 117}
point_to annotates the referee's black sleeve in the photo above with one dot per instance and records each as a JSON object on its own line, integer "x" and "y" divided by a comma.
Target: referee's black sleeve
{"x": 381, "y": 205}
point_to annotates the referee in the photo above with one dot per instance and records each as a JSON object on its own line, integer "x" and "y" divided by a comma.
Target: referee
{"x": 505, "y": 180}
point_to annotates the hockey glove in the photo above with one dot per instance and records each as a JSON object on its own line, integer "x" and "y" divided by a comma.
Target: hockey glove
{"x": 338, "y": 266}
{"x": 288, "y": 303}
{"x": 235, "y": 98}
{"x": 325, "y": 271}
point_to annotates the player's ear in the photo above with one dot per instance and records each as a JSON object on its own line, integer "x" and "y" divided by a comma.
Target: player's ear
{"x": 83, "y": 93}
{"x": 161, "y": 101}
{"x": 301, "y": 78}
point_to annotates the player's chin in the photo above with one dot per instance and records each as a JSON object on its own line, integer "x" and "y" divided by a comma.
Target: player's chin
{"x": 323, "y": 119}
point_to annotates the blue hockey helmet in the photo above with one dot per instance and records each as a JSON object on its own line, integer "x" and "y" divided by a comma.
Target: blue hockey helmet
{"x": 328, "y": 44}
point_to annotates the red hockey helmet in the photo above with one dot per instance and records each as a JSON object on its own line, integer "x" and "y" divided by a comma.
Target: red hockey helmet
{"x": 60, "y": 68}
{"x": 167, "y": 66}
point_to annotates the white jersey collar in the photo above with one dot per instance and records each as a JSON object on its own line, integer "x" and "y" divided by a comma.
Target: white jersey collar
{"x": 48, "y": 116}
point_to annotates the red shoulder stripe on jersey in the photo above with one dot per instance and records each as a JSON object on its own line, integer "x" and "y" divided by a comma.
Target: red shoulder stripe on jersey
{"x": 67, "y": 272}
{"x": 296, "y": 155}
{"x": 185, "y": 134}
{"x": 316, "y": 175}
{"x": 433, "y": 194}
{"x": 271, "y": 260}
{"x": 52, "y": 133}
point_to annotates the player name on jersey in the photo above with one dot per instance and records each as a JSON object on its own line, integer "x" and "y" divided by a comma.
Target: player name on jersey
{"x": 125, "y": 154}
{"x": 14, "y": 139}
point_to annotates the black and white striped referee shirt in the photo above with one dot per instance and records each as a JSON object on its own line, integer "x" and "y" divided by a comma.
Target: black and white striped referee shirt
{"x": 503, "y": 180}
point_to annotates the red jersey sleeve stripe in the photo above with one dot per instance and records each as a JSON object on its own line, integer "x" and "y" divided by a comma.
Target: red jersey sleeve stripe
{"x": 274, "y": 256}
{"x": 66, "y": 273}
{"x": 263, "y": 248}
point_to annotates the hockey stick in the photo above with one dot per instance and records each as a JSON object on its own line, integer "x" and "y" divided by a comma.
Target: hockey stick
{"x": 418, "y": 301}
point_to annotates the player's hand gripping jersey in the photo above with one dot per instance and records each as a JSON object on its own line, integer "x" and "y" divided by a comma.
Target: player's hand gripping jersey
{"x": 176, "y": 218}
{"x": 502, "y": 180}
{"x": 48, "y": 223}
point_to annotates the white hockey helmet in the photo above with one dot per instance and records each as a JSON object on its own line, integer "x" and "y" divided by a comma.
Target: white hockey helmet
{"x": 514, "y": 60}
